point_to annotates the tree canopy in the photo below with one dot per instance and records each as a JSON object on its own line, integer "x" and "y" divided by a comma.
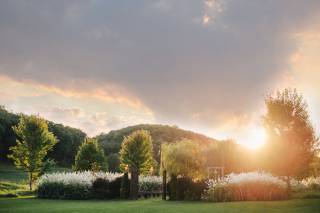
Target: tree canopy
{"x": 184, "y": 158}
{"x": 90, "y": 157}
{"x": 33, "y": 142}
{"x": 292, "y": 141}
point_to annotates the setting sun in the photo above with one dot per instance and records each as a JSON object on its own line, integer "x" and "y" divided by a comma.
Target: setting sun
{"x": 255, "y": 138}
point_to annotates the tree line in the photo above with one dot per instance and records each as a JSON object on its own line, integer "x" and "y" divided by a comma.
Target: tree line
{"x": 63, "y": 153}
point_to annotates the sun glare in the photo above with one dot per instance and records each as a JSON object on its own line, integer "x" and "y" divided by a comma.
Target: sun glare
{"x": 256, "y": 138}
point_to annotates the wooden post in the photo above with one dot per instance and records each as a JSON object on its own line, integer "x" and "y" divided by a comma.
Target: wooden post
{"x": 164, "y": 176}
{"x": 164, "y": 185}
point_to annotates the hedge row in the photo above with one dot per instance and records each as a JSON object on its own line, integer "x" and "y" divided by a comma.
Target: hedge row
{"x": 185, "y": 188}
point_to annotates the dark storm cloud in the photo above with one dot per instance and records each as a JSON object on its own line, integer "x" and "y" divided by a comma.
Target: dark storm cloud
{"x": 159, "y": 50}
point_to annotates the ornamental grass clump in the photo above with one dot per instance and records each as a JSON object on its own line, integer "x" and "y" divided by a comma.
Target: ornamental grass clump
{"x": 72, "y": 185}
{"x": 246, "y": 186}
{"x": 88, "y": 184}
{"x": 311, "y": 183}
{"x": 150, "y": 183}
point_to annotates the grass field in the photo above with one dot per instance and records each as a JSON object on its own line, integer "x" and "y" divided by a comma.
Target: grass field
{"x": 154, "y": 206}
{"x": 13, "y": 181}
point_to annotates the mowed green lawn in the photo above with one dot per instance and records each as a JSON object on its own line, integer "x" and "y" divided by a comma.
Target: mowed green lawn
{"x": 154, "y": 206}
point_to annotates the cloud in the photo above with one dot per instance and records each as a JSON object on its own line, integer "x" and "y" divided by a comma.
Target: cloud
{"x": 206, "y": 19}
{"x": 94, "y": 110}
{"x": 157, "y": 55}
{"x": 213, "y": 8}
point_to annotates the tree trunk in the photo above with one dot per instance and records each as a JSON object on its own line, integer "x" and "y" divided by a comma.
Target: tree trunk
{"x": 164, "y": 185}
{"x": 30, "y": 180}
{"x": 134, "y": 184}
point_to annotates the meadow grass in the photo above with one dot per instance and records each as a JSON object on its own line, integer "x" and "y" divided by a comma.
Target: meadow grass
{"x": 14, "y": 182}
{"x": 154, "y": 205}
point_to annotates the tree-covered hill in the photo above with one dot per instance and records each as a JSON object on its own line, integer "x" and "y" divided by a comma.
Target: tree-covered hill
{"x": 69, "y": 139}
{"x": 111, "y": 142}
{"x": 63, "y": 152}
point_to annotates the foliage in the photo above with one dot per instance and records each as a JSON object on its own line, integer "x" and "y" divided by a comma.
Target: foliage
{"x": 58, "y": 190}
{"x": 90, "y": 157}
{"x": 136, "y": 153}
{"x": 33, "y": 143}
{"x": 184, "y": 188}
{"x": 312, "y": 183}
{"x": 246, "y": 186}
{"x": 49, "y": 165}
{"x": 292, "y": 141}
{"x": 90, "y": 185}
{"x": 184, "y": 158}
{"x": 7, "y": 135}
{"x": 105, "y": 189}
{"x": 315, "y": 166}
{"x": 63, "y": 152}
{"x": 160, "y": 134}
{"x": 69, "y": 139}
{"x": 73, "y": 185}
{"x": 114, "y": 162}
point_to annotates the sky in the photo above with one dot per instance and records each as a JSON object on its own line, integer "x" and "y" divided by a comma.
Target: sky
{"x": 202, "y": 65}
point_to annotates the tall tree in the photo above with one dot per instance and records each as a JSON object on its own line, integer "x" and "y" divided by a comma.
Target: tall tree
{"x": 292, "y": 141}
{"x": 184, "y": 158}
{"x": 90, "y": 157}
{"x": 136, "y": 154}
{"x": 33, "y": 142}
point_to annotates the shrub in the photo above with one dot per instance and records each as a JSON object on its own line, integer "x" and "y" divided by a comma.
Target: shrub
{"x": 100, "y": 188}
{"x": 84, "y": 185}
{"x": 58, "y": 190}
{"x": 105, "y": 189}
{"x": 185, "y": 188}
{"x": 125, "y": 187}
{"x": 50, "y": 190}
{"x": 115, "y": 187}
{"x": 247, "y": 186}
{"x": 76, "y": 192}
{"x": 72, "y": 185}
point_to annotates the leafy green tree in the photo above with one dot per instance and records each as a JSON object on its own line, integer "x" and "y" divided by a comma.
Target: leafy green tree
{"x": 184, "y": 158}
{"x": 33, "y": 143}
{"x": 90, "y": 157}
{"x": 292, "y": 141}
{"x": 136, "y": 155}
